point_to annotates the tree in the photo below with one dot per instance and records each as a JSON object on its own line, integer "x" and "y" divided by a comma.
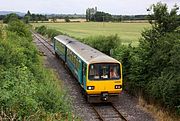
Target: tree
{"x": 159, "y": 56}
{"x": 88, "y": 15}
{"x": 27, "y": 17}
{"x": 164, "y": 21}
{"x": 67, "y": 19}
{"x": 101, "y": 17}
{"x": 104, "y": 44}
{"x": 19, "y": 28}
{"x": 10, "y": 17}
{"x": 54, "y": 19}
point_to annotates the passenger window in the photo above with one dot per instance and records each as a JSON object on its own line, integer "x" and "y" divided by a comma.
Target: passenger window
{"x": 84, "y": 70}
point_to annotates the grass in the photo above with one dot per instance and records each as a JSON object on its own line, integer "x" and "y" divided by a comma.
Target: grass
{"x": 156, "y": 111}
{"x": 128, "y": 32}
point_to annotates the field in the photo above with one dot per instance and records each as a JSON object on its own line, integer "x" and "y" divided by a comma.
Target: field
{"x": 128, "y": 32}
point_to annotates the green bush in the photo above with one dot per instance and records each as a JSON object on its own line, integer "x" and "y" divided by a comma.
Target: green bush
{"x": 104, "y": 44}
{"x": 28, "y": 91}
{"x": 41, "y": 30}
{"x": 19, "y": 27}
{"x": 10, "y": 17}
{"x": 50, "y": 33}
{"x": 1, "y": 31}
{"x": 164, "y": 85}
{"x": 153, "y": 68}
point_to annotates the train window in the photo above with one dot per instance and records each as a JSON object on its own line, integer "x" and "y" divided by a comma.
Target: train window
{"x": 114, "y": 71}
{"x": 84, "y": 69}
{"x": 94, "y": 71}
{"x": 104, "y": 71}
{"x": 60, "y": 47}
{"x": 78, "y": 63}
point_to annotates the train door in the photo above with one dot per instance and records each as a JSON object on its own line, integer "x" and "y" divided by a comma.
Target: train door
{"x": 84, "y": 75}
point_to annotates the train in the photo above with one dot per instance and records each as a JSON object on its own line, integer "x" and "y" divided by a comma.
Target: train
{"x": 99, "y": 75}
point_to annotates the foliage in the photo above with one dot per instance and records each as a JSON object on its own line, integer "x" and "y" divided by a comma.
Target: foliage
{"x": 164, "y": 21}
{"x": 34, "y": 17}
{"x": 103, "y": 43}
{"x": 27, "y": 17}
{"x": 101, "y": 17}
{"x": 41, "y": 30}
{"x": 19, "y": 27}
{"x": 28, "y": 91}
{"x": 67, "y": 19}
{"x": 1, "y": 31}
{"x": 51, "y": 33}
{"x": 153, "y": 68}
{"x": 10, "y": 17}
{"x": 129, "y": 58}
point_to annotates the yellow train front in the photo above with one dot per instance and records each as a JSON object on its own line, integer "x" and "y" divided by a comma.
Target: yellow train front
{"x": 104, "y": 81}
{"x": 99, "y": 75}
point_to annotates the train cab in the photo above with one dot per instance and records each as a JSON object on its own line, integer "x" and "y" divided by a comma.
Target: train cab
{"x": 104, "y": 81}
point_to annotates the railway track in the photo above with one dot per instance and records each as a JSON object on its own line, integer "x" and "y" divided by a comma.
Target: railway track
{"x": 44, "y": 42}
{"x": 108, "y": 112}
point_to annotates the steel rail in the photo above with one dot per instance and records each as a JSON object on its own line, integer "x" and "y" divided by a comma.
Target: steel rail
{"x": 99, "y": 115}
{"x": 122, "y": 117}
{"x": 43, "y": 38}
{"x": 39, "y": 38}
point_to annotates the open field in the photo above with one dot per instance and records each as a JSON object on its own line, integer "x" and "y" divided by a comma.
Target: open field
{"x": 128, "y": 32}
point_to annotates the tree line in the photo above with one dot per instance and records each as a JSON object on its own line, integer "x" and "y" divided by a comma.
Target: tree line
{"x": 100, "y": 16}
{"x": 97, "y": 17}
{"x": 26, "y": 18}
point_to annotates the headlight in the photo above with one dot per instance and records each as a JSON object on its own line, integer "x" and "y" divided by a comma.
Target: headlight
{"x": 90, "y": 87}
{"x": 118, "y": 86}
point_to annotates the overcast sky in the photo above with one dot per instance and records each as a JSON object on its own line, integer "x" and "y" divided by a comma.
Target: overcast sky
{"x": 123, "y": 7}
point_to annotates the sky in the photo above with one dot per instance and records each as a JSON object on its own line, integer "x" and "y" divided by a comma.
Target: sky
{"x": 115, "y": 7}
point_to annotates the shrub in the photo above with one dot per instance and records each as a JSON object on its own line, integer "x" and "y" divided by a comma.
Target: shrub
{"x": 104, "y": 44}
{"x": 19, "y": 28}
{"x": 153, "y": 68}
{"x": 10, "y": 17}
{"x": 41, "y": 30}
{"x": 28, "y": 91}
{"x": 50, "y": 33}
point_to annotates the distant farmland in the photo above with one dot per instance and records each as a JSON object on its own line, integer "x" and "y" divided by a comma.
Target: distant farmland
{"x": 128, "y": 32}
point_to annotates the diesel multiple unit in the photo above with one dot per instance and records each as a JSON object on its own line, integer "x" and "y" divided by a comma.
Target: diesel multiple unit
{"x": 99, "y": 75}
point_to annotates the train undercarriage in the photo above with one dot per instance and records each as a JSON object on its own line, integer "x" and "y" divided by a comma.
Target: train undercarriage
{"x": 103, "y": 97}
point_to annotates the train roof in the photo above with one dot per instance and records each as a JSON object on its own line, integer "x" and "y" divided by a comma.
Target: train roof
{"x": 85, "y": 52}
